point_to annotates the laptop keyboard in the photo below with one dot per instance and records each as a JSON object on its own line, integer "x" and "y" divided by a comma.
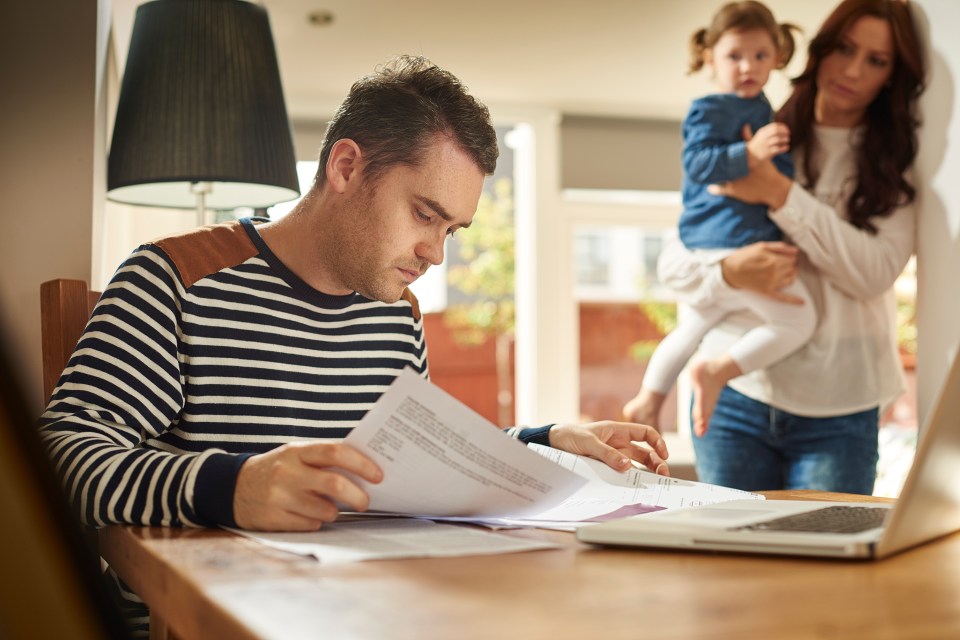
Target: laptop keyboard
{"x": 826, "y": 520}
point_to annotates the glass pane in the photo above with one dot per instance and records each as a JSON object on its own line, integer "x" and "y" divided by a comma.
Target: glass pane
{"x": 624, "y": 312}
{"x": 468, "y": 303}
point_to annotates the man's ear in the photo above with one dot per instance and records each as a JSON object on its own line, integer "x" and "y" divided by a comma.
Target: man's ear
{"x": 344, "y": 164}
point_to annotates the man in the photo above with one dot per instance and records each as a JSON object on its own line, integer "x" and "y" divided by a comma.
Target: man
{"x": 217, "y": 361}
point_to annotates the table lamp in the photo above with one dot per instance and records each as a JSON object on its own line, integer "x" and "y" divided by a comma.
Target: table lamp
{"x": 201, "y": 120}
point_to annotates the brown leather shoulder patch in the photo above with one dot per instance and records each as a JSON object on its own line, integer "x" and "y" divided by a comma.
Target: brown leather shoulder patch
{"x": 412, "y": 299}
{"x": 200, "y": 252}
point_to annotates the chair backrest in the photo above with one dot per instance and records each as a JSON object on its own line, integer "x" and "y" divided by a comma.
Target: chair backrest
{"x": 65, "y": 307}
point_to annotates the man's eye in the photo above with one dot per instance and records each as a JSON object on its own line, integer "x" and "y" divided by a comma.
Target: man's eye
{"x": 451, "y": 231}
{"x": 421, "y": 215}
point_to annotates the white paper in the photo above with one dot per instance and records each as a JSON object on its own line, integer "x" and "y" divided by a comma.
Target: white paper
{"x": 440, "y": 458}
{"x": 609, "y": 489}
{"x": 609, "y": 495}
{"x": 391, "y": 538}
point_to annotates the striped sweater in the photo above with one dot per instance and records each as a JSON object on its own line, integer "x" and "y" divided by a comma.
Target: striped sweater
{"x": 203, "y": 350}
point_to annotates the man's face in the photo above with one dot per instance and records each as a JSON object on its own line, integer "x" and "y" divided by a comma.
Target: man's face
{"x": 392, "y": 229}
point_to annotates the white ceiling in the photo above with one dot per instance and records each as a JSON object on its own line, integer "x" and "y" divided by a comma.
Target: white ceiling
{"x": 623, "y": 58}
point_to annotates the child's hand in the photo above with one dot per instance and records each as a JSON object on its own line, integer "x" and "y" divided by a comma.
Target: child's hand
{"x": 770, "y": 140}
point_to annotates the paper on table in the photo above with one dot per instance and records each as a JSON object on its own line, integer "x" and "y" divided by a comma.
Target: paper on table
{"x": 609, "y": 488}
{"x": 440, "y": 458}
{"x": 609, "y": 494}
{"x": 386, "y": 538}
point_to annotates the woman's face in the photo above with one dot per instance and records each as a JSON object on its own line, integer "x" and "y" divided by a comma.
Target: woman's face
{"x": 851, "y": 76}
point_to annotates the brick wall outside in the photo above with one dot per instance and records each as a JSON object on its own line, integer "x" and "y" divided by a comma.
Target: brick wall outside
{"x": 608, "y": 375}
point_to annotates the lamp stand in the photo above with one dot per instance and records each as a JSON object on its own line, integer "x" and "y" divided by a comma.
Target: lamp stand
{"x": 201, "y": 189}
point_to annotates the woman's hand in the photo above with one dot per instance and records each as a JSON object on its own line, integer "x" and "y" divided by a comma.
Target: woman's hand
{"x": 763, "y": 185}
{"x": 763, "y": 267}
{"x": 615, "y": 443}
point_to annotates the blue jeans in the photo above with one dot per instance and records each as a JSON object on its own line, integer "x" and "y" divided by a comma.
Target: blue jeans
{"x": 752, "y": 446}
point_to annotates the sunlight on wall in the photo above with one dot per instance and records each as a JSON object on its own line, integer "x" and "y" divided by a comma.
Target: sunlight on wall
{"x": 306, "y": 170}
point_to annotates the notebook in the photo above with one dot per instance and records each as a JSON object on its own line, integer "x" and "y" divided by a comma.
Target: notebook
{"x": 928, "y": 508}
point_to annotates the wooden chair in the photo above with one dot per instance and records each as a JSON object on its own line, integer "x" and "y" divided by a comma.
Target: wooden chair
{"x": 65, "y": 307}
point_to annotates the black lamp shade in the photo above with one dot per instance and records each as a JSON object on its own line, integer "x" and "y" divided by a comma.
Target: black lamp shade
{"x": 201, "y": 102}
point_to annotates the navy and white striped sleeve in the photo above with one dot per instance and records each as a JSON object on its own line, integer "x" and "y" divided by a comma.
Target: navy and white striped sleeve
{"x": 531, "y": 435}
{"x": 123, "y": 386}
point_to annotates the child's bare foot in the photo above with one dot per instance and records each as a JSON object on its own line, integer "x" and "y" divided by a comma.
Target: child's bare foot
{"x": 707, "y": 379}
{"x": 644, "y": 408}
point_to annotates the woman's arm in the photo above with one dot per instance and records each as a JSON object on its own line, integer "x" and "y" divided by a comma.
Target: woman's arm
{"x": 763, "y": 267}
{"x": 763, "y": 185}
{"x": 859, "y": 263}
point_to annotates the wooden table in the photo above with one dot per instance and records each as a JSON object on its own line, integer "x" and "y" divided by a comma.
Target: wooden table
{"x": 214, "y": 584}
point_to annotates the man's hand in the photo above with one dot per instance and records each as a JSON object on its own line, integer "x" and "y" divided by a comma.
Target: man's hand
{"x": 297, "y": 486}
{"x": 769, "y": 141}
{"x": 763, "y": 267}
{"x": 615, "y": 443}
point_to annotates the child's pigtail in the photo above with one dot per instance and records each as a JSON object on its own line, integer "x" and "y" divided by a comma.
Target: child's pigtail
{"x": 787, "y": 42}
{"x": 698, "y": 44}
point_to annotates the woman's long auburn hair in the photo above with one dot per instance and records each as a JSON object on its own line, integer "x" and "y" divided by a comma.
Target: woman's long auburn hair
{"x": 888, "y": 146}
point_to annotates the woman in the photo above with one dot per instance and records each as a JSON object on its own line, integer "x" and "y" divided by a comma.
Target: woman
{"x": 811, "y": 420}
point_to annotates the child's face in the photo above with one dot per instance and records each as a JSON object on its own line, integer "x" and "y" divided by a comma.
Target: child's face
{"x": 742, "y": 61}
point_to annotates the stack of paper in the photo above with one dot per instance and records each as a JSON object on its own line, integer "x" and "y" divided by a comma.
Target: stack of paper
{"x": 442, "y": 460}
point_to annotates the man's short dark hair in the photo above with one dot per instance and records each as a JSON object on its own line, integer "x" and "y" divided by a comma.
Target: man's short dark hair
{"x": 396, "y": 112}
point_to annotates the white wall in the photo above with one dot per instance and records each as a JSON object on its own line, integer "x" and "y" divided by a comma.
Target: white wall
{"x": 620, "y": 153}
{"x": 938, "y": 166}
{"x": 52, "y": 159}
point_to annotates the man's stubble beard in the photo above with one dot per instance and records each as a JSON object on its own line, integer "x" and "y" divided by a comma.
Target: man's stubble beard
{"x": 354, "y": 264}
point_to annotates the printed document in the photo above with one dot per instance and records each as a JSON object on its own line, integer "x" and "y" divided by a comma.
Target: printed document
{"x": 609, "y": 494}
{"x": 440, "y": 458}
{"x": 370, "y": 538}
{"x": 443, "y": 461}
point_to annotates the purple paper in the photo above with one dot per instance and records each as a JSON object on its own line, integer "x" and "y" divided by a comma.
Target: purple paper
{"x": 625, "y": 511}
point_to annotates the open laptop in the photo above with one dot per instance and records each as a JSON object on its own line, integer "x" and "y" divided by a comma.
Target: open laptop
{"x": 928, "y": 508}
